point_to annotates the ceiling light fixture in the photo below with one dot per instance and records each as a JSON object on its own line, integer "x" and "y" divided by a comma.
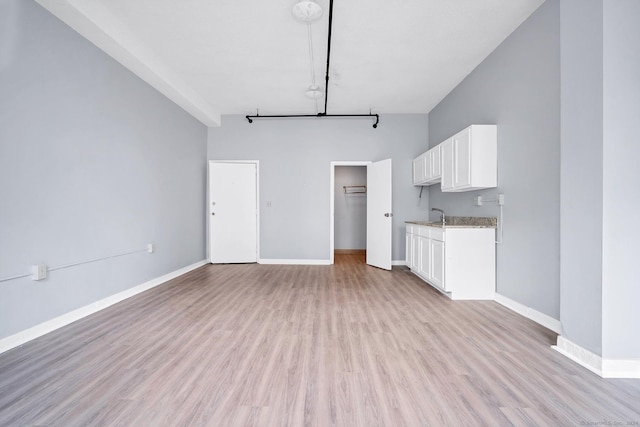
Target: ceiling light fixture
{"x": 306, "y": 11}
{"x": 313, "y": 92}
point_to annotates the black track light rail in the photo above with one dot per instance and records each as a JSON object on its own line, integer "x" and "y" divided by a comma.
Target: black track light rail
{"x": 326, "y": 90}
{"x": 326, "y": 74}
{"x": 319, "y": 115}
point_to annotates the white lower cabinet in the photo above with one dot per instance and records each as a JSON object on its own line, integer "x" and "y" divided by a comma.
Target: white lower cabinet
{"x": 412, "y": 248}
{"x": 425, "y": 264}
{"x": 407, "y": 247}
{"x": 460, "y": 262}
{"x": 415, "y": 252}
{"x": 436, "y": 270}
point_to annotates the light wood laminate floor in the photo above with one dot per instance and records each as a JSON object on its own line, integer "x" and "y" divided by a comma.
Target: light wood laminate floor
{"x": 346, "y": 345}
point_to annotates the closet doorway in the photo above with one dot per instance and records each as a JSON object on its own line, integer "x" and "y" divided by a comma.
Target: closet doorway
{"x": 377, "y": 201}
{"x": 350, "y": 211}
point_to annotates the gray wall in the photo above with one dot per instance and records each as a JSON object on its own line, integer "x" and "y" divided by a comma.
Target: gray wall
{"x": 350, "y": 209}
{"x": 601, "y": 104}
{"x": 621, "y": 177}
{"x": 93, "y": 162}
{"x": 295, "y": 158}
{"x": 518, "y": 88}
{"x": 581, "y": 177}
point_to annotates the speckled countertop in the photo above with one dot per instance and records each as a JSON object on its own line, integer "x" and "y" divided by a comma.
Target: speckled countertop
{"x": 461, "y": 222}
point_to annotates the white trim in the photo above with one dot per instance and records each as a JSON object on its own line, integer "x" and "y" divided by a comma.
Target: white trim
{"x": 606, "y": 368}
{"x": 528, "y": 312}
{"x": 580, "y": 355}
{"x": 399, "y": 262}
{"x": 294, "y": 261}
{"x": 27, "y": 335}
{"x": 621, "y": 368}
{"x": 332, "y": 180}
{"x": 309, "y": 261}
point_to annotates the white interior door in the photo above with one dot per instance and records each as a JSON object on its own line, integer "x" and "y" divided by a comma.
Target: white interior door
{"x": 233, "y": 221}
{"x": 379, "y": 214}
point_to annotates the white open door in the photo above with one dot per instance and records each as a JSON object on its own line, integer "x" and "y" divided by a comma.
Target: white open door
{"x": 379, "y": 214}
{"x": 233, "y": 222}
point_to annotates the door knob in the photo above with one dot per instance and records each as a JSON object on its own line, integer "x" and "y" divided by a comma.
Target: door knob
{"x": 213, "y": 213}
{"x": 388, "y": 214}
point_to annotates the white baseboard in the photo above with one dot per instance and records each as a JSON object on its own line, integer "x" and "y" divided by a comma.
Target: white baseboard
{"x": 578, "y": 354}
{"x": 606, "y": 368}
{"x": 27, "y": 335}
{"x": 528, "y": 312}
{"x": 309, "y": 261}
{"x": 621, "y": 368}
{"x": 294, "y": 261}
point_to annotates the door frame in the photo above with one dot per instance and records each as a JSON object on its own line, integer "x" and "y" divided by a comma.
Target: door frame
{"x": 332, "y": 201}
{"x": 206, "y": 207}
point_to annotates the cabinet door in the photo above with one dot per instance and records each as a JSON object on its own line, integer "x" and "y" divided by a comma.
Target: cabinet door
{"x": 436, "y": 272}
{"x": 419, "y": 171}
{"x": 416, "y": 170}
{"x": 407, "y": 250}
{"x": 462, "y": 159}
{"x": 427, "y": 166}
{"x": 425, "y": 257}
{"x": 415, "y": 252}
{"x": 434, "y": 159}
{"x": 447, "y": 164}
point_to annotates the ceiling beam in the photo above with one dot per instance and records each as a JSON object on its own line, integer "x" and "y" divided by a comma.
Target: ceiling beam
{"x": 100, "y": 27}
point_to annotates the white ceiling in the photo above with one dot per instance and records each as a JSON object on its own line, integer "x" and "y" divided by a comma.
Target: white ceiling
{"x": 216, "y": 57}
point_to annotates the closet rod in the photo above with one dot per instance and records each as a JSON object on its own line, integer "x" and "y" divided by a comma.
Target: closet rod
{"x": 354, "y": 189}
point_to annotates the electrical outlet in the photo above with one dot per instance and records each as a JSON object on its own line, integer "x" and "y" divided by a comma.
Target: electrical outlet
{"x": 500, "y": 199}
{"x": 477, "y": 201}
{"x": 150, "y": 248}
{"x": 38, "y": 272}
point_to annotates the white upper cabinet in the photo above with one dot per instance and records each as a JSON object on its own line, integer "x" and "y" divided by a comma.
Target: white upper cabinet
{"x": 470, "y": 159}
{"x": 435, "y": 160}
{"x": 419, "y": 169}
{"x": 427, "y": 168}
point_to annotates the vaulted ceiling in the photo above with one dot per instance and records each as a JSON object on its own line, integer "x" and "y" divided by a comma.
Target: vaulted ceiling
{"x": 216, "y": 57}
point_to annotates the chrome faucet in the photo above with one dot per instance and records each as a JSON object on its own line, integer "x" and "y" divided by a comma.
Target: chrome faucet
{"x": 441, "y": 214}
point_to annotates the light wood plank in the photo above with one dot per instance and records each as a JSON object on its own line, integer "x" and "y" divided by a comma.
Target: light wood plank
{"x": 346, "y": 345}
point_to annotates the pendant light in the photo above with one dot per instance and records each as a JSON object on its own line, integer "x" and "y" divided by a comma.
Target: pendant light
{"x": 306, "y": 11}
{"x": 313, "y": 92}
